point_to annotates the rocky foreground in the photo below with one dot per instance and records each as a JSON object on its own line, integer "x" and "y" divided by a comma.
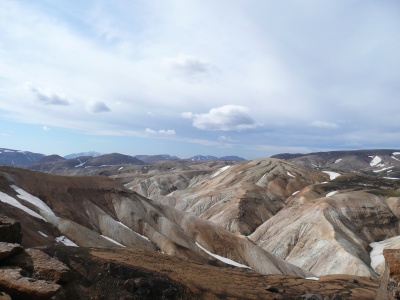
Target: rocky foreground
{"x": 61, "y": 272}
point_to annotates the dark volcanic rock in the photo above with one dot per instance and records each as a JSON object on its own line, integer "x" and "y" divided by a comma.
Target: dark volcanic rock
{"x": 19, "y": 287}
{"x": 10, "y": 230}
{"x": 47, "y": 268}
{"x": 7, "y": 250}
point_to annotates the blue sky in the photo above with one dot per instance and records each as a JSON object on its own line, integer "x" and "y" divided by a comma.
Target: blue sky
{"x": 229, "y": 77}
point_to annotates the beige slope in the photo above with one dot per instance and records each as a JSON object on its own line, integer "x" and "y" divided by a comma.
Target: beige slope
{"x": 85, "y": 208}
{"x": 329, "y": 235}
{"x": 241, "y": 196}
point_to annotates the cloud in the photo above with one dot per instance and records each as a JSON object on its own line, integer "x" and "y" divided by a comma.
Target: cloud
{"x": 162, "y": 132}
{"x": 45, "y": 128}
{"x": 323, "y": 124}
{"x": 190, "y": 68}
{"x": 4, "y": 134}
{"x": 46, "y": 96}
{"x": 225, "y": 118}
{"x": 98, "y": 107}
{"x": 226, "y": 141}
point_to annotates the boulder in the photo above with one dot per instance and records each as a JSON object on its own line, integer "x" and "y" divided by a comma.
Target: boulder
{"x": 19, "y": 287}
{"x": 4, "y": 296}
{"x": 47, "y": 268}
{"x": 10, "y": 230}
{"x": 7, "y": 250}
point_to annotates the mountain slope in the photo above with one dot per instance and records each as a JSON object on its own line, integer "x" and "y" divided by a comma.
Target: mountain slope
{"x": 97, "y": 211}
{"x": 239, "y": 197}
{"x": 325, "y": 224}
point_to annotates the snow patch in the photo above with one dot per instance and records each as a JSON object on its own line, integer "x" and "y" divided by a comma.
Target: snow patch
{"x": 377, "y": 250}
{"x": 223, "y": 259}
{"x": 112, "y": 241}
{"x": 375, "y": 160}
{"x": 32, "y": 199}
{"x": 384, "y": 169}
{"x": 332, "y": 175}
{"x": 120, "y": 168}
{"x": 395, "y": 158}
{"x": 338, "y": 160}
{"x": 81, "y": 164}
{"x": 10, "y": 200}
{"x": 312, "y": 278}
{"x": 41, "y": 233}
{"x": 331, "y": 194}
{"x": 295, "y": 193}
{"x": 219, "y": 171}
{"x": 396, "y": 153}
{"x": 290, "y": 174}
{"x": 67, "y": 242}
{"x": 392, "y": 178}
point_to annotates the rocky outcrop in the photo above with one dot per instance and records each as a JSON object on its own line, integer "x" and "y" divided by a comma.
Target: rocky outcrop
{"x": 20, "y": 287}
{"x": 7, "y": 250}
{"x": 10, "y": 230}
{"x": 120, "y": 273}
{"x": 389, "y": 287}
{"x": 30, "y": 273}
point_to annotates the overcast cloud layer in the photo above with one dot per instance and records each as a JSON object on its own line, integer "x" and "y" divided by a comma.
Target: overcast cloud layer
{"x": 251, "y": 78}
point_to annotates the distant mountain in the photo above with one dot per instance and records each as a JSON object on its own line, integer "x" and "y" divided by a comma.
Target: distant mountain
{"x": 113, "y": 159}
{"x": 51, "y": 159}
{"x": 210, "y": 157}
{"x": 379, "y": 162}
{"x": 55, "y": 163}
{"x": 155, "y": 158}
{"x": 89, "y": 153}
{"x": 9, "y": 157}
{"x": 202, "y": 157}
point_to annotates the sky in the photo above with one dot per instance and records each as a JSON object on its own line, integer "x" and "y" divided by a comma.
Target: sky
{"x": 250, "y": 78}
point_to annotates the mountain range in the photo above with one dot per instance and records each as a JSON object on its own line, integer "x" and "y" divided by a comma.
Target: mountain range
{"x": 10, "y": 157}
{"x": 312, "y": 225}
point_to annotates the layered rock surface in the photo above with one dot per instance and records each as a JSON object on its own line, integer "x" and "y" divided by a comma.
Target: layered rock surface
{"x": 238, "y": 197}
{"x": 323, "y": 226}
{"x": 97, "y": 211}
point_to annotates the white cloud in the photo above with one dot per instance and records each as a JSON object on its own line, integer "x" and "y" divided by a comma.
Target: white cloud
{"x": 324, "y": 124}
{"x": 98, "y": 107}
{"x": 190, "y": 68}
{"x": 46, "y": 128}
{"x": 161, "y": 132}
{"x": 225, "y": 118}
{"x": 139, "y": 56}
{"x": 226, "y": 141}
{"x": 47, "y": 96}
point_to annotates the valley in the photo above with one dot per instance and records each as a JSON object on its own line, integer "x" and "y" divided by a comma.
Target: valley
{"x": 280, "y": 227}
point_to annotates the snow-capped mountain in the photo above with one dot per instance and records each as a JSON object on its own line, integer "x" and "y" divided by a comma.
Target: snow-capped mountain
{"x": 89, "y": 153}
{"x": 10, "y": 157}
